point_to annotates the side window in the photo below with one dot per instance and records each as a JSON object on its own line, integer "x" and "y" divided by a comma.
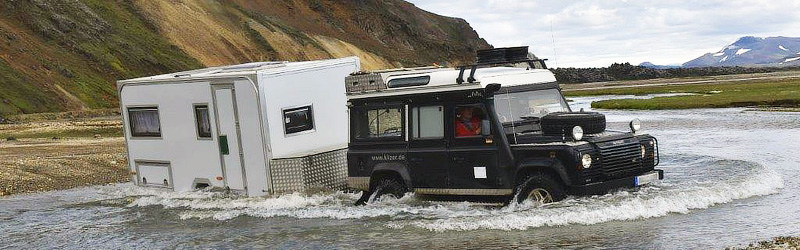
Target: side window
{"x": 202, "y": 121}
{"x": 469, "y": 121}
{"x": 378, "y": 123}
{"x": 296, "y": 120}
{"x": 144, "y": 122}
{"x": 427, "y": 122}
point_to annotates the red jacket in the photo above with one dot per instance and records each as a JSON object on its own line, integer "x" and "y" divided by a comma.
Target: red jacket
{"x": 471, "y": 128}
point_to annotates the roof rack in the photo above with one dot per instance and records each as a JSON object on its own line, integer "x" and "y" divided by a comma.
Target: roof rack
{"x": 395, "y": 70}
{"x": 499, "y": 56}
{"x": 364, "y": 81}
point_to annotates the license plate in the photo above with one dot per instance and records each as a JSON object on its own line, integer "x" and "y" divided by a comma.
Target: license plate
{"x": 644, "y": 179}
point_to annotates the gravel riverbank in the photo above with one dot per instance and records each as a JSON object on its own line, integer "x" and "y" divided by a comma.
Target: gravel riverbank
{"x": 792, "y": 243}
{"x": 35, "y": 165}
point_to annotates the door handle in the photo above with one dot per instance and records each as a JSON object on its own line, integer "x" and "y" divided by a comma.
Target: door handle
{"x": 415, "y": 159}
{"x": 459, "y": 159}
{"x": 223, "y": 145}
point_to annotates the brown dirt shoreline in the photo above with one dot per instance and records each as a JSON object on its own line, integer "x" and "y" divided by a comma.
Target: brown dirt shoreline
{"x": 55, "y": 151}
{"x": 36, "y": 165}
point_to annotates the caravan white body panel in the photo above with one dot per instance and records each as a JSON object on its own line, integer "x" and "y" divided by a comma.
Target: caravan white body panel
{"x": 290, "y": 90}
{"x": 178, "y": 145}
{"x": 245, "y": 104}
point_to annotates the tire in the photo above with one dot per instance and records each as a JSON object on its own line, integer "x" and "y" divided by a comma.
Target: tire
{"x": 550, "y": 189}
{"x": 558, "y": 123}
{"x": 386, "y": 186}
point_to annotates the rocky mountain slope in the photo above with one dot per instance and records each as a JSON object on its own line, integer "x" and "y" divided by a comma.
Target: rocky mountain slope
{"x": 60, "y": 55}
{"x": 753, "y": 51}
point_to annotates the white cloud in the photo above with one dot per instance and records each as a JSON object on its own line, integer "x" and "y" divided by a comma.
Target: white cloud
{"x": 598, "y": 33}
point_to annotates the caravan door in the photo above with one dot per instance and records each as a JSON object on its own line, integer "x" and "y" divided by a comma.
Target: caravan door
{"x": 229, "y": 136}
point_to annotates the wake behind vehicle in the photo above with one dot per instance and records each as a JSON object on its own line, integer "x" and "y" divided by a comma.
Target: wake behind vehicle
{"x": 500, "y": 129}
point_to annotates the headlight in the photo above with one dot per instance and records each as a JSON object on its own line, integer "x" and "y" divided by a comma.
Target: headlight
{"x": 577, "y": 133}
{"x": 643, "y": 150}
{"x": 586, "y": 160}
{"x": 636, "y": 125}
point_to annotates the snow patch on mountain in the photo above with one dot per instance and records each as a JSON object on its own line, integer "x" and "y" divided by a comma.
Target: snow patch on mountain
{"x": 752, "y": 51}
{"x": 742, "y": 51}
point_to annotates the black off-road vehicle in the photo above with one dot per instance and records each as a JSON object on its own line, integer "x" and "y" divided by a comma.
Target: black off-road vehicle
{"x": 498, "y": 130}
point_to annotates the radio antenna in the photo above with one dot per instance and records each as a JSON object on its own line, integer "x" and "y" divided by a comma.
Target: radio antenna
{"x": 553, "y": 40}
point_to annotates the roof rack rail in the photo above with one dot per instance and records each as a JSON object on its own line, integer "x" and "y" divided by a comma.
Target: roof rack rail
{"x": 395, "y": 70}
{"x": 499, "y": 56}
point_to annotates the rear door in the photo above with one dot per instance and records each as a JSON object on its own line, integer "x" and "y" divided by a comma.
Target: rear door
{"x": 427, "y": 153}
{"x": 229, "y": 136}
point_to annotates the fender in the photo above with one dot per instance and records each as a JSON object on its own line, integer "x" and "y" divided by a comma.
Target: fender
{"x": 396, "y": 167}
{"x": 553, "y": 165}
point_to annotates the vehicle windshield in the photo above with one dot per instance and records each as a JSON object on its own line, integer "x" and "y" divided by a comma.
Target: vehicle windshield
{"x": 516, "y": 106}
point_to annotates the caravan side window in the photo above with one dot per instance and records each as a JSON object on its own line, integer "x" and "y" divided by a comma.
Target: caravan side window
{"x": 144, "y": 122}
{"x": 202, "y": 121}
{"x": 296, "y": 120}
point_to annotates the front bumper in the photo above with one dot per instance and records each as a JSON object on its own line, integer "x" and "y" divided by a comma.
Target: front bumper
{"x": 605, "y": 186}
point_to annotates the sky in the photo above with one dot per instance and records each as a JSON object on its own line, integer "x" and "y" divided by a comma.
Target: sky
{"x": 594, "y": 33}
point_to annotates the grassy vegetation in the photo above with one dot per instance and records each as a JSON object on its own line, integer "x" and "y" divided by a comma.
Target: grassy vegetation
{"x": 74, "y": 124}
{"x": 18, "y": 97}
{"x": 80, "y": 46}
{"x": 94, "y": 130}
{"x": 780, "y": 93}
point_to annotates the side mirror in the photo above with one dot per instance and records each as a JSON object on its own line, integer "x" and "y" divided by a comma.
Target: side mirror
{"x": 486, "y": 128}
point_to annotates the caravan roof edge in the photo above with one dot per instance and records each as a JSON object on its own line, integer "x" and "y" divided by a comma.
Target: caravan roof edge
{"x": 239, "y": 70}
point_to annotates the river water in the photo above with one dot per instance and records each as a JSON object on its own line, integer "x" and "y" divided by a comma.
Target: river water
{"x": 731, "y": 179}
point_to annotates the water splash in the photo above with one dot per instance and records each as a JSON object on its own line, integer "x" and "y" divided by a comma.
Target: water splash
{"x": 682, "y": 193}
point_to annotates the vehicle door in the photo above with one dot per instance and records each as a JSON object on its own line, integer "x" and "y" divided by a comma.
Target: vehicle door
{"x": 473, "y": 151}
{"x": 378, "y": 140}
{"x": 229, "y": 136}
{"x": 427, "y": 153}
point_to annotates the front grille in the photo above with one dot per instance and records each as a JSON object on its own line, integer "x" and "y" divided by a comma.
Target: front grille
{"x": 621, "y": 157}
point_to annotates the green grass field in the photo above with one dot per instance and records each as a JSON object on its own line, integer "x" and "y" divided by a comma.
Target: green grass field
{"x": 755, "y": 93}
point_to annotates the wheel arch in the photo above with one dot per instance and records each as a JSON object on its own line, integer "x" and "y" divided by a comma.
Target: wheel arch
{"x": 394, "y": 170}
{"x": 552, "y": 167}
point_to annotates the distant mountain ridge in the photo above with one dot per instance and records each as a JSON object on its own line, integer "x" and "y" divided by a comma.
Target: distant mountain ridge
{"x": 654, "y": 66}
{"x": 753, "y": 51}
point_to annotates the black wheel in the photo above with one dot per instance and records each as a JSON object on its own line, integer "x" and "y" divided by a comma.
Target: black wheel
{"x": 386, "y": 186}
{"x": 540, "y": 188}
{"x": 557, "y": 123}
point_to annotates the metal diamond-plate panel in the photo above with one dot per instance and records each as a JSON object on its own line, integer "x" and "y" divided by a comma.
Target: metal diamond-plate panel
{"x": 327, "y": 170}
{"x": 287, "y": 174}
{"x": 365, "y": 82}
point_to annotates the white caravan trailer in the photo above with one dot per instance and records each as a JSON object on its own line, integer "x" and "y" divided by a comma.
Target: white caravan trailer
{"x": 256, "y": 128}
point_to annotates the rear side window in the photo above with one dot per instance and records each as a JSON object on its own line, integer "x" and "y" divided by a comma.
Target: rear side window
{"x": 202, "y": 121}
{"x": 427, "y": 122}
{"x": 144, "y": 122}
{"x": 378, "y": 123}
{"x": 409, "y": 81}
{"x": 296, "y": 120}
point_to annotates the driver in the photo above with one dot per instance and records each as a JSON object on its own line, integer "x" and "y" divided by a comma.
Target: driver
{"x": 466, "y": 123}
